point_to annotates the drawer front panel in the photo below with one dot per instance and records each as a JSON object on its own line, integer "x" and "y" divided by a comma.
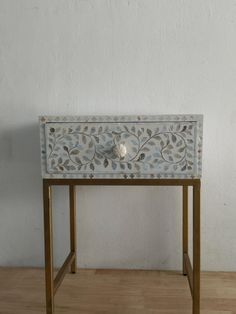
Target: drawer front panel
{"x": 121, "y": 147}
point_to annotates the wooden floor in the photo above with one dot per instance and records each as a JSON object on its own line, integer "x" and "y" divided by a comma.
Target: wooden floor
{"x": 116, "y": 292}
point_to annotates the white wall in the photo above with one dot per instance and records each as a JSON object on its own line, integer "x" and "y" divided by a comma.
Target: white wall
{"x": 117, "y": 57}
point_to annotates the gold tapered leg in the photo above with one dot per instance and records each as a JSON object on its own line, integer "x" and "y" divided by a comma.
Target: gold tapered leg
{"x": 185, "y": 226}
{"x": 72, "y": 189}
{"x": 196, "y": 248}
{"x": 48, "y": 247}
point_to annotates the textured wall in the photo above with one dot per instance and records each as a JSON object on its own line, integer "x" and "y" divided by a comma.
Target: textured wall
{"x": 116, "y": 57}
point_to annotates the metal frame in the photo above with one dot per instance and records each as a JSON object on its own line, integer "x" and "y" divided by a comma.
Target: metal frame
{"x": 192, "y": 272}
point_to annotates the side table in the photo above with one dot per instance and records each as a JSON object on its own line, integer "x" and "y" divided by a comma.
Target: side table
{"x": 164, "y": 150}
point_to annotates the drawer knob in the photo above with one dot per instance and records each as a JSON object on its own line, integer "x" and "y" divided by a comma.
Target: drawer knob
{"x": 120, "y": 150}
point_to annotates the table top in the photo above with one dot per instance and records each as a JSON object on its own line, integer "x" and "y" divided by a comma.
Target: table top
{"x": 162, "y": 146}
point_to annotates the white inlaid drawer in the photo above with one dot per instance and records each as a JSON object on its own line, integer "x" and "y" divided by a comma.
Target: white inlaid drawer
{"x": 121, "y": 146}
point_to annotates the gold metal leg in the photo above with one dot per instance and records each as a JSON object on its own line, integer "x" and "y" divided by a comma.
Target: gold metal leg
{"x": 185, "y": 226}
{"x": 52, "y": 284}
{"x": 196, "y": 248}
{"x": 48, "y": 248}
{"x": 72, "y": 189}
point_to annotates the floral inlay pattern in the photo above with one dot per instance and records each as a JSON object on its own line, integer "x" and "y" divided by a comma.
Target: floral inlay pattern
{"x": 121, "y": 149}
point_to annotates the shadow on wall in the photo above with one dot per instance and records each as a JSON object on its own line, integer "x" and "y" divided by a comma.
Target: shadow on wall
{"x": 20, "y": 158}
{"x": 21, "y": 212}
{"x": 21, "y": 145}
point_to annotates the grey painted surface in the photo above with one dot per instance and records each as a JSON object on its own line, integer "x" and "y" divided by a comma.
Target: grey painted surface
{"x": 116, "y": 58}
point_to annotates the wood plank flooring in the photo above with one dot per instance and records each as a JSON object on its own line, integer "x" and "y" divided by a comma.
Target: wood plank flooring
{"x": 116, "y": 292}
